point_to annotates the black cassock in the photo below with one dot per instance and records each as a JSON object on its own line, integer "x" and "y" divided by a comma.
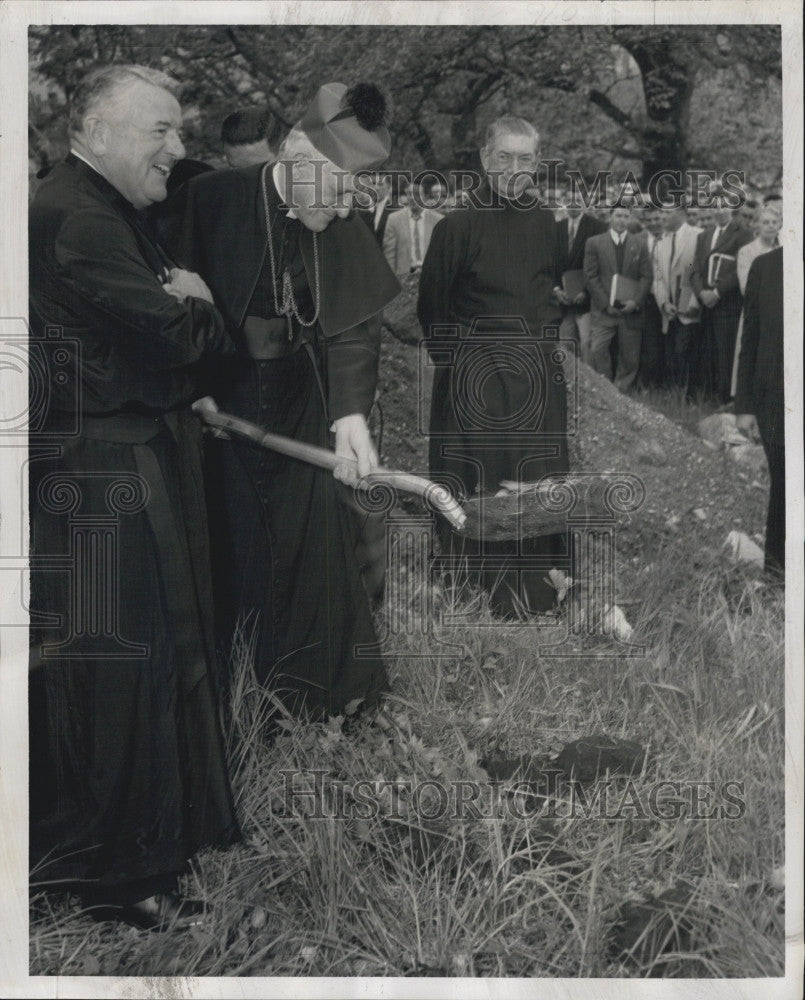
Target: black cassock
{"x": 499, "y": 405}
{"x": 284, "y": 540}
{"x": 760, "y": 388}
{"x": 127, "y": 770}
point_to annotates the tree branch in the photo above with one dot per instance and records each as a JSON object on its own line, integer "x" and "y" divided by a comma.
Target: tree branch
{"x": 626, "y": 154}
{"x": 611, "y": 110}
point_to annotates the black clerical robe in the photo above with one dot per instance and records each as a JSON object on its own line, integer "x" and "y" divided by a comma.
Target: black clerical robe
{"x": 498, "y": 406}
{"x": 128, "y": 776}
{"x": 760, "y": 388}
{"x": 285, "y": 568}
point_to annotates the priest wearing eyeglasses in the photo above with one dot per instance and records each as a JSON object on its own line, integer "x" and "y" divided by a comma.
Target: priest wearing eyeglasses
{"x": 490, "y": 320}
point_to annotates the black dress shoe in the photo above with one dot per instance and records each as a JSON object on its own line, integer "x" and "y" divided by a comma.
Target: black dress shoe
{"x": 165, "y": 911}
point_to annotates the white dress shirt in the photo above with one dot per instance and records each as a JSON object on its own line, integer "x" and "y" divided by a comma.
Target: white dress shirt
{"x": 416, "y": 226}
{"x": 83, "y": 159}
{"x": 379, "y": 207}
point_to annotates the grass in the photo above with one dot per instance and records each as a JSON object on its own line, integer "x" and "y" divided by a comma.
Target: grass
{"x": 672, "y": 402}
{"x": 533, "y": 892}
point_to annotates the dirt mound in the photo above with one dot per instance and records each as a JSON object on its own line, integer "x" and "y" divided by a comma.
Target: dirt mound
{"x": 689, "y": 487}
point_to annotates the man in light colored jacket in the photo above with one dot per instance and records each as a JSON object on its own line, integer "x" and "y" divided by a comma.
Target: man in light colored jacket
{"x": 679, "y": 307}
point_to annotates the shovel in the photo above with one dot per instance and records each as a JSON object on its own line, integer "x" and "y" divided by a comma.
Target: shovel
{"x": 520, "y": 512}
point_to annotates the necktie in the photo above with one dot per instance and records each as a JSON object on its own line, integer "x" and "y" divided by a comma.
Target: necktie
{"x": 572, "y": 225}
{"x": 671, "y": 258}
{"x": 417, "y": 242}
{"x": 619, "y": 249}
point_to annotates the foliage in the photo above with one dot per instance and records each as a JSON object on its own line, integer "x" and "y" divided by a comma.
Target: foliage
{"x": 627, "y": 97}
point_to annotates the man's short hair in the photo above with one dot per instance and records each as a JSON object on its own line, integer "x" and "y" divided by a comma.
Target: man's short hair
{"x": 510, "y": 125}
{"x": 101, "y": 85}
{"x": 250, "y": 125}
{"x": 429, "y": 182}
{"x": 722, "y": 194}
{"x": 676, "y": 200}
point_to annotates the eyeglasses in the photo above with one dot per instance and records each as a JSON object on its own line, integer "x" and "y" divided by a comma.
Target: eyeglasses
{"x": 522, "y": 161}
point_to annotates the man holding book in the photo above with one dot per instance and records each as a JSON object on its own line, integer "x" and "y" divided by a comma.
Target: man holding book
{"x": 618, "y": 274}
{"x": 678, "y": 304}
{"x": 714, "y": 279}
{"x": 572, "y": 233}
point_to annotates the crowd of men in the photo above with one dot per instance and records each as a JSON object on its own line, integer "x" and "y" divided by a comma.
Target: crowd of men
{"x": 679, "y": 331}
{"x": 258, "y": 285}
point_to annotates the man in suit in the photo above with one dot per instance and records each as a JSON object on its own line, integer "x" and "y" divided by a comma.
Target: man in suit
{"x": 408, "y": 233}
{"x": 759, "y": 396}
{"x": 573, "y": 230}
{"x": 127, "y": 771}
{"x": 722, "y": 299}
{"x": 617, "y": 252}
{"x": 377, "y": 215}
{"x": 652, "y": 371}
{"x": 678, "y": 304}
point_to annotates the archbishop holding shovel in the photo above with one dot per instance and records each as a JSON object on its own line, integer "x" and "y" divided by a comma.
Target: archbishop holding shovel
{"x": 301, "y": 283}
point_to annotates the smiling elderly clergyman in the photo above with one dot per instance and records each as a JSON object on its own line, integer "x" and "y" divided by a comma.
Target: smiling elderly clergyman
{"x": 127, "y": 772}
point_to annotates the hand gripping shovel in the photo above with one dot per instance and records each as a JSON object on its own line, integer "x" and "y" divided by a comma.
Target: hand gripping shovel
{"x": 434, "y": 495}
{"x": 525, "y": 513}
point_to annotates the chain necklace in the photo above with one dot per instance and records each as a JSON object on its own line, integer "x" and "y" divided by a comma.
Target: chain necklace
{"x": 289, "y": 307}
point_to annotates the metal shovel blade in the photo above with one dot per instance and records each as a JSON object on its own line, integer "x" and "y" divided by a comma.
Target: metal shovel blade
{"x": 524, "y": 512}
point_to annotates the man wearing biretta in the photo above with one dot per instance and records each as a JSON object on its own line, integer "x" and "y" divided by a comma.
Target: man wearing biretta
{"x": 301, "y": 283}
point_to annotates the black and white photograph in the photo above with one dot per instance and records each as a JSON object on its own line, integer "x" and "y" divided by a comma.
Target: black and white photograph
{"x": 401, "y": 521}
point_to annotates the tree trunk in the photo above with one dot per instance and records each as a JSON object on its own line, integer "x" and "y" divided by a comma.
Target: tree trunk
{"x": 667, "y": 87}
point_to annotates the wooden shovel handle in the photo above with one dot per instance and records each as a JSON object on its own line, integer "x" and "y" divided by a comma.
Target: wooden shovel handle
{"x": 435, "y": 495}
